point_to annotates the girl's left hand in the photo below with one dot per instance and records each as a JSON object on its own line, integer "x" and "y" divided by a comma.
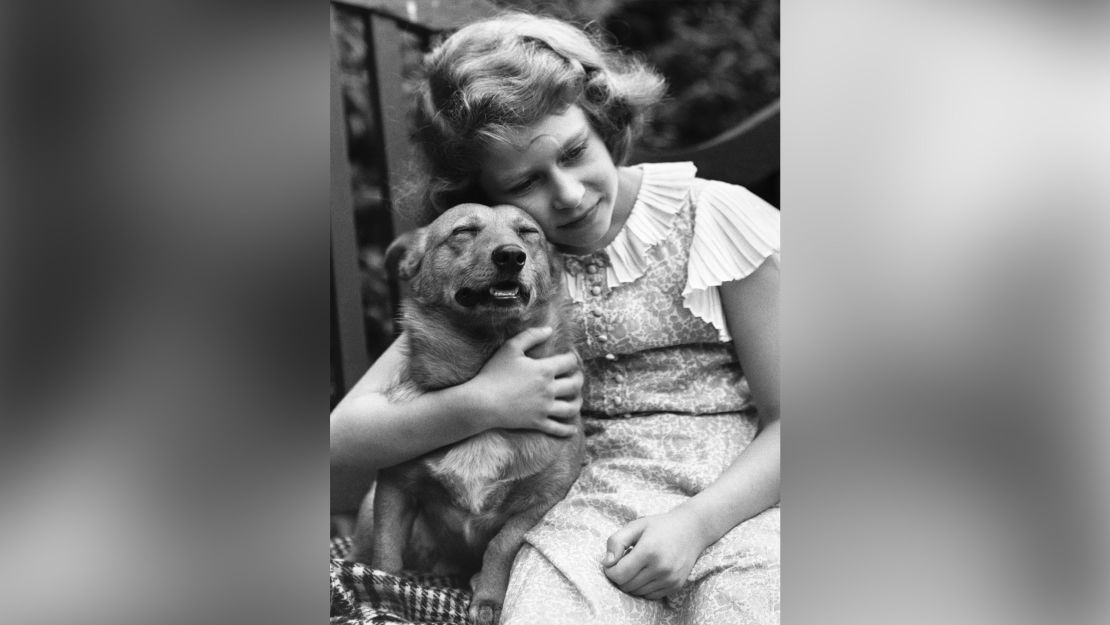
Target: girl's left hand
{"x": 664, "y": 549}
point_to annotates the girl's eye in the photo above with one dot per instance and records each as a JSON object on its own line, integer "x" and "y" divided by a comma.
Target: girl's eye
{"x": 572, "y": 155}
{"x": 523, "y": 185}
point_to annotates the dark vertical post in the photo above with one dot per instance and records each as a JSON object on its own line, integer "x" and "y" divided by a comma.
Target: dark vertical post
{"x": 385, "y": 42}
{"x": 346, "y": 289}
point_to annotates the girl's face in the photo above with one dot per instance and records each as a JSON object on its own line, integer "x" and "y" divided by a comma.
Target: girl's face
{"x": 560, "y": 172}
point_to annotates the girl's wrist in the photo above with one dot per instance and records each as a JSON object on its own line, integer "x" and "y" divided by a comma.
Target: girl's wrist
{"x": 700, "y": 522}
{"x": 471, "y": 405}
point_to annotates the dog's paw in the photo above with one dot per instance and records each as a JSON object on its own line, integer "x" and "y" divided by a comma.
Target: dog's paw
{"x": 485, "y": 611}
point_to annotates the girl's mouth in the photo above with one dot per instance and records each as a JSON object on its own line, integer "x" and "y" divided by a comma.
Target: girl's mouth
{"x": 585, "y": 217}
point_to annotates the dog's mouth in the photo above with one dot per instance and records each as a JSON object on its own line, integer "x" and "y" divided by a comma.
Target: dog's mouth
{"x": 506, "y": 293}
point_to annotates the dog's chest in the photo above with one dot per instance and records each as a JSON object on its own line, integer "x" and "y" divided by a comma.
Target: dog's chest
{"x": 478, "y": 471}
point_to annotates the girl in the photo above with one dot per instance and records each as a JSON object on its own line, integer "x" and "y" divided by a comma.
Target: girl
{"x": 676, "y": 283}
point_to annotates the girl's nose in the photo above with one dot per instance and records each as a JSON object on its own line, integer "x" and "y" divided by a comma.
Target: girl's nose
{"x": 568, "y": 191}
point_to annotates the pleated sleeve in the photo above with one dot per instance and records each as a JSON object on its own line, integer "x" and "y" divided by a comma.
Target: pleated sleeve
{"x": 735, "y": 231}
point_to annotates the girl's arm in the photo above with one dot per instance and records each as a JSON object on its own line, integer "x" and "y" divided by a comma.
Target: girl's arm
{"x": 369, "y": 432}
{"x": 667, "y": 545}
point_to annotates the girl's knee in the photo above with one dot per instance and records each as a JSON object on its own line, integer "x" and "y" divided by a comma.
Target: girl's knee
{"x": 537, "y": 591}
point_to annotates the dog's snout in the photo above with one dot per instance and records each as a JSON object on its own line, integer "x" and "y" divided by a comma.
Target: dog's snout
{"x": 510, "y": 257}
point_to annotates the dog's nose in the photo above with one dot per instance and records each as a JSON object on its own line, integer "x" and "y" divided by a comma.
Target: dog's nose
{"x": 510, "y": 257}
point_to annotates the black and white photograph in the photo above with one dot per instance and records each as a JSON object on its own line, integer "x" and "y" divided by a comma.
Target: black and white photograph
{"x": 555, "y": 285}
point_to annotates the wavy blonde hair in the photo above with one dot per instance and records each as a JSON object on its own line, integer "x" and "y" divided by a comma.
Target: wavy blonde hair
{"x": 498, "y": 75}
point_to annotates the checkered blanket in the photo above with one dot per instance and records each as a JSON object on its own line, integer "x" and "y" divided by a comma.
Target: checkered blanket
{"x": 361, "y": 595}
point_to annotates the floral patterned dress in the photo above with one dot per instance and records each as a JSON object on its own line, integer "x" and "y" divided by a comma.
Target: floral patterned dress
{"x": 664, "y": 385}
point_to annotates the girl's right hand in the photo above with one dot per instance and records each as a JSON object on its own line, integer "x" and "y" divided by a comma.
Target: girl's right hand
{"x": 517, "y": 391}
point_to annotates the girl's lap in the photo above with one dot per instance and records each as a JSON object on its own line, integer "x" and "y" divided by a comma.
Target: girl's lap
{"x": 640, "y": 467}
{"x": 558, "y": 578}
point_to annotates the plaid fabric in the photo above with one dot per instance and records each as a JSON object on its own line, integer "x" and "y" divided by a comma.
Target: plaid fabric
{"x": 361, "y": 595}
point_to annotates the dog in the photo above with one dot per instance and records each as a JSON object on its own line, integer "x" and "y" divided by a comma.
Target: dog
{"x": 476, "y": 277}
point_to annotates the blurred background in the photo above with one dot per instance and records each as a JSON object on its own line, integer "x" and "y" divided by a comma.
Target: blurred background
{"x": 945, "y": 307}
{"x": 720, "y": 59}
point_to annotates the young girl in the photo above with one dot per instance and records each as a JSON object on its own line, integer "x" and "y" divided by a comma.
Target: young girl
{"x": 675, "y": 280}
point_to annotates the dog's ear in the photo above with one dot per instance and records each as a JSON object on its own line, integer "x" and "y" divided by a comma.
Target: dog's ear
{"x": 403, "y": 256}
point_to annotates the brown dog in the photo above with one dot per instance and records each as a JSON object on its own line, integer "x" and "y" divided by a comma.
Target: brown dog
{"x": 477, "y": 276}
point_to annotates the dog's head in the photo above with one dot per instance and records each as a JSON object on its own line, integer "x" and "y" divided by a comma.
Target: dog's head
{"x": 476, "y": 260}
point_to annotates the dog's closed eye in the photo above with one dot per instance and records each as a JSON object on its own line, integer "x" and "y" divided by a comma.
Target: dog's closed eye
{"x": 465, "y": 231}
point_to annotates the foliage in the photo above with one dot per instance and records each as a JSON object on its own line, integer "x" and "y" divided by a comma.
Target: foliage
{"x": 720, "y": 57}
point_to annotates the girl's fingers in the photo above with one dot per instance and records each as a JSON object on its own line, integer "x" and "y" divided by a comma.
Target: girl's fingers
{"x": 643, "y": 579}
{"x": 559, "y": 421}
{"x": 566, "y": 388}
{"x": 562, "y": 364}
{"x": 557, "y": 428}
{"x": 657, "y": 589}
{"x": 575, "y": 375}
{"x": 574, "y": 406}
{"x": 621, "y": 542}
{"x": 624, "y": 572}
{"x": 622, "y": 563}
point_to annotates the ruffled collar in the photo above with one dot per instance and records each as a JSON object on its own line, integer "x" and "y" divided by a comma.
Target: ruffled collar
{"x": 664, "y": 188}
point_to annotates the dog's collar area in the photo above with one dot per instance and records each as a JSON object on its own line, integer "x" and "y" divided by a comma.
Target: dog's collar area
{"x": 503, "y": 293}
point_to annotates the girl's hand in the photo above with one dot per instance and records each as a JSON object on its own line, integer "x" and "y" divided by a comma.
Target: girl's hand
{"x": 520, "y": 392}
{"x": 664, "y": 549}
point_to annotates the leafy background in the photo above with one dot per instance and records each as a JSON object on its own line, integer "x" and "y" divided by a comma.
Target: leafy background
{"x": 720, "y": 57}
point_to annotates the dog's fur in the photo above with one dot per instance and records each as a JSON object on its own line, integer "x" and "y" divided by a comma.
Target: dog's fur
{"x": 477, "y": 276}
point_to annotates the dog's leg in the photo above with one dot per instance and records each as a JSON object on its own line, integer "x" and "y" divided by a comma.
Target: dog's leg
{"x": 362, "y": 540}
{"x": 490, "y": 583}
{"x": 394, "y": 513}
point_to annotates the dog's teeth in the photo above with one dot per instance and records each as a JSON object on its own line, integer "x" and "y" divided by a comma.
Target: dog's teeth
{"x": 504, "y": 293}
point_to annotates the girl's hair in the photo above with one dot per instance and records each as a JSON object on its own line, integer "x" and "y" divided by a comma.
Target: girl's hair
{"x": 502, "y": 74}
